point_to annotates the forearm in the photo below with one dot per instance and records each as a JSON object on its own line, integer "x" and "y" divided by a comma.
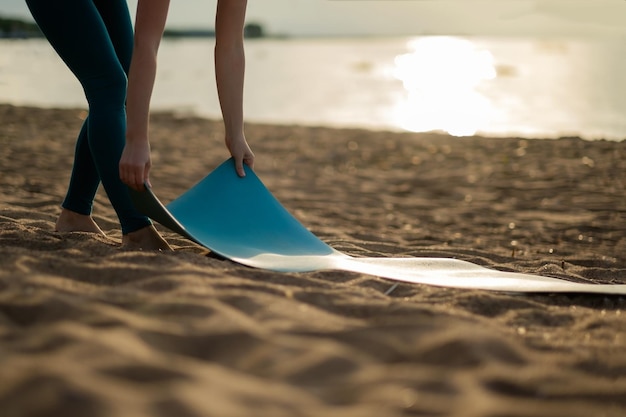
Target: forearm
{"x": 229, "y": 72}
{"x": 149, "y": 26}
{"x": 230, "y": 63}
{"x": 140, "y": 85}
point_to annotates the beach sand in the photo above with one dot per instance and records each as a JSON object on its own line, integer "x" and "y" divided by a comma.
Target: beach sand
{"x": 88, "y": 329}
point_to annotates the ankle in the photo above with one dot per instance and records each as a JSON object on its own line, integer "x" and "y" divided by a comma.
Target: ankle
{"x": 147, "y": 238}
{"x": 71, "y": 221}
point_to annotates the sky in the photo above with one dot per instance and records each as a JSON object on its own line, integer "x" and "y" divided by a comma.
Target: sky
{"x": 403, "y": 17}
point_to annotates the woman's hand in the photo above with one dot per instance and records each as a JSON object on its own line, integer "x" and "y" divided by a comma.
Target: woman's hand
{"x": 135, "y": 165}
{"x": 241, "y": 153}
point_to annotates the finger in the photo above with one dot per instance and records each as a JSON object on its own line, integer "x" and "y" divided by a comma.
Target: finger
{"x": 140, "y": 180}
{"x": 239, "y": 168}
{"x": 126, "y": 177}
{"x": 135, "y": 179}
{"x": 250, "y": 162}
{"x": 138, "y": 183}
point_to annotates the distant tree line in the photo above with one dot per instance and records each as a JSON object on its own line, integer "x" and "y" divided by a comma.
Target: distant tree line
{"x": 250, "y": 30}
{"x": 15, "y": 28}
{"x": 253, "y": 30}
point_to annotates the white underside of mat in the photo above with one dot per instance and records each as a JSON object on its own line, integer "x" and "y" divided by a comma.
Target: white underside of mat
{"x": 239, "y": 219}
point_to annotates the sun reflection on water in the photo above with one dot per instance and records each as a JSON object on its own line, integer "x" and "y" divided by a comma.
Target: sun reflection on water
{"x": 440, "y": 77}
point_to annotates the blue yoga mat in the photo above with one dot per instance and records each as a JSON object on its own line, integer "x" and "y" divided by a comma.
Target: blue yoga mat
{"x": 240, "y": 219}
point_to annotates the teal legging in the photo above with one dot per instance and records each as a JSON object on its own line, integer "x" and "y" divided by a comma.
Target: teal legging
{"x": 95, "y": 40}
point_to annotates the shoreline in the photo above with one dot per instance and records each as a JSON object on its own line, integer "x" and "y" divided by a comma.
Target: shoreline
{"x": 193, "y": 114}
{"x": 88, "y": 329}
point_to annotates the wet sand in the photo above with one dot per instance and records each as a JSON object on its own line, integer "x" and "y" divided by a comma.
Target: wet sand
{"x": 88, "y": 329}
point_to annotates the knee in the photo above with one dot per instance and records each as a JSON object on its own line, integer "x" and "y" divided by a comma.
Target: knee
{"x": 106, "y": 89}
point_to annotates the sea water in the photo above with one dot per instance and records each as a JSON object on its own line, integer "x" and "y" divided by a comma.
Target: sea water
{"x": 531, "y": 87}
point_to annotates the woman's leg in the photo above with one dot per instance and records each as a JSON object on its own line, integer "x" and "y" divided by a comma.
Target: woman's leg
{"x": 79, "y": 31}
{"x": 85, "y": 179}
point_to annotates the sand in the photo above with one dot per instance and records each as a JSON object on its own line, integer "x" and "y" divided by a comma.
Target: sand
{"x": 88, "y": 329}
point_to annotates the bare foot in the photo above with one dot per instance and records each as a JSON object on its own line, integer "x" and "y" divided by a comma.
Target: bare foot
{"x": 70, "y": 221}
{"x": 147, "y": 238}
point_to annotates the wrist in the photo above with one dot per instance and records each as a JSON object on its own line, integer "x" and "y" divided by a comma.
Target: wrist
{"x": 235, "y": 139}
{"x": 136, "y": 141}
{"x": 136, "y": 135}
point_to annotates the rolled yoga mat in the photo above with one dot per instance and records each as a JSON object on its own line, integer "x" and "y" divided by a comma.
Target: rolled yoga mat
{"x": 240, "y": 219}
